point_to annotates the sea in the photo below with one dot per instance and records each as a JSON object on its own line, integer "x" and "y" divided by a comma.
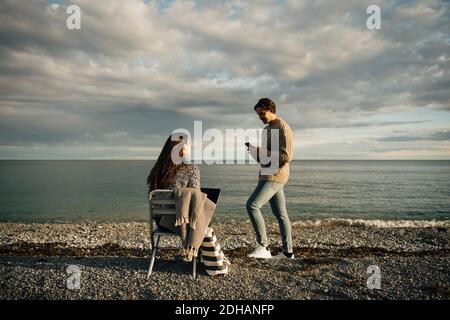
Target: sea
{"x": 67, "y": 191}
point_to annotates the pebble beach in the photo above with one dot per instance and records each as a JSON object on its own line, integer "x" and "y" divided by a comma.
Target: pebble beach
{"x": 332, "y": 262}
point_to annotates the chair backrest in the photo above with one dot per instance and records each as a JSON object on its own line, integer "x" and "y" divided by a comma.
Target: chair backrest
{"x": 154, "y": 201}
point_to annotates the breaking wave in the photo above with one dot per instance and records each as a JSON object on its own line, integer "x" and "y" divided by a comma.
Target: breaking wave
{"x": 376, "y": 223}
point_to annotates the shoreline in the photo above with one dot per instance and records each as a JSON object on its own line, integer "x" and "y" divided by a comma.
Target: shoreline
{"x": 306, "y": 221}
{"x": 332, "y": 257}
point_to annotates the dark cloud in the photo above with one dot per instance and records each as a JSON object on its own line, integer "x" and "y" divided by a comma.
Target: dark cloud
{"x": 436, "y": 136}
{"x": 134, "y": 71}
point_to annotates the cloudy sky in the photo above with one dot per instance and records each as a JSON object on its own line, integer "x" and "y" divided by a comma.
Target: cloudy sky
{"x": 139, "y": 69}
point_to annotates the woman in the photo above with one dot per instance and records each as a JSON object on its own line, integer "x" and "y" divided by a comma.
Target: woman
{"x": 166, "y": 174}
{"x": 171, "y": 171}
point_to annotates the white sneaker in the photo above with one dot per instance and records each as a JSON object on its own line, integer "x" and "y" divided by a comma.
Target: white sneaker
{"x": 281, "y": 255}
{"x": 260, "y": 252}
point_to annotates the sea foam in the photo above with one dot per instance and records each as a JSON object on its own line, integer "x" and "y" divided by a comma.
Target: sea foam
{"x": 376, "y": 223}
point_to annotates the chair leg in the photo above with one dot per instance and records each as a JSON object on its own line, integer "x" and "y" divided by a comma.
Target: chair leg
{"x": 194, "y": 267}
{"x": 152, "y": 240}
{"x": 152, "y": 261}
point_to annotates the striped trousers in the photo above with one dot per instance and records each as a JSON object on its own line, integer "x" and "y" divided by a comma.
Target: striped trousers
{"x": 212, "y": 256}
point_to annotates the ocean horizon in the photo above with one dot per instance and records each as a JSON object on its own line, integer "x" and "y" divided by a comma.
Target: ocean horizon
{"x": 115, "y": 190}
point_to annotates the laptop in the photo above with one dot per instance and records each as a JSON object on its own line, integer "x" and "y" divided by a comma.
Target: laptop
{"x": 212, "y": 193}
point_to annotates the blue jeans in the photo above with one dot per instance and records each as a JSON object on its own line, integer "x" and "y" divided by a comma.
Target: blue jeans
{"x": 273, "y": 192}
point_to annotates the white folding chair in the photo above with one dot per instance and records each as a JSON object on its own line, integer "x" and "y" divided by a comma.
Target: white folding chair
{"x": 156, "y": 212}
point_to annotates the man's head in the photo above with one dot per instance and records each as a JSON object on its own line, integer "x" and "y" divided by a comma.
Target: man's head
{"x": 266, "y": 109}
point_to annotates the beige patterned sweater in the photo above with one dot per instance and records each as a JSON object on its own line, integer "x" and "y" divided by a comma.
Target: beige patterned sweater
{"x": 286, "y": 151}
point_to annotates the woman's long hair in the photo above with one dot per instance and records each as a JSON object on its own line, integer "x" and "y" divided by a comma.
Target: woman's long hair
{"x": 164, "y": 170}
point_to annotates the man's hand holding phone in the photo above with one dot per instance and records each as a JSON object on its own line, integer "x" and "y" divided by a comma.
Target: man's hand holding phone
{"x": 253, "y": 151}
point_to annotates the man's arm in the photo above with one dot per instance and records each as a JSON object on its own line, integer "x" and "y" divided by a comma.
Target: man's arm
{"x": 254, "y": 152}
{"x": 284, "y": 156}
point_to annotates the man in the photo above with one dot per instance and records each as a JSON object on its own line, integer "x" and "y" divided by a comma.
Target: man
{"x": 271, "y": 183}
